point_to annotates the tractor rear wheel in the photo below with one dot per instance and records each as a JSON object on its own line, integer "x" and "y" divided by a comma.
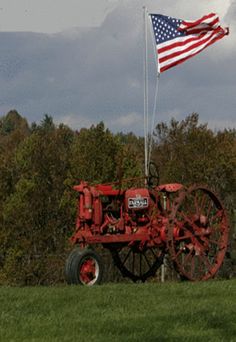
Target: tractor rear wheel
{"x": 197, "y": 235}
{"x": 136, "y": 264}
{"x": 83, "y": 267}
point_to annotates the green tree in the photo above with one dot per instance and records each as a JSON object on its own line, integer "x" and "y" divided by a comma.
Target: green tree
{"x": 13, "y": 130}
{"x": 130, "y": 156}
{"x": 13, "y": 121}
{"x": 94, "y": 155}
{"x": 189, "y": 152}
{"x": 37, "y": 216}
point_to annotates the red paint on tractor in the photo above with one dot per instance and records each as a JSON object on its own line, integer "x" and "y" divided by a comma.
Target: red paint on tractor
{"x": 188, "y": 224}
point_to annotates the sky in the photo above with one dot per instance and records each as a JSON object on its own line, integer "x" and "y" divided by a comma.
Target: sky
{"x": 82, "y": 62}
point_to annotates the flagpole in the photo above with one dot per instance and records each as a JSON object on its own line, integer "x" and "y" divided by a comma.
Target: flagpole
{"x": 156, "y": 94}
{"x": 154, "y": 49}
{"x": 145, "y": 104}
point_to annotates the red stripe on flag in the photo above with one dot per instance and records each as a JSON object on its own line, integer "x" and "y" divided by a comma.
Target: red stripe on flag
{"x": 179, "y": 44}
{"x": 203, "y": 27}
{"x": 191, "y": 47}
{"x": 181, "y": 60}
{"x": 186, "y": 25}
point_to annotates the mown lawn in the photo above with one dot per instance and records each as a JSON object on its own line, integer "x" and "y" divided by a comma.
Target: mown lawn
{"x": 185, "y": 311}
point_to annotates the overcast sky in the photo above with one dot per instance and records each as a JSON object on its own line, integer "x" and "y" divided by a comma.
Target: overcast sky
{"x": 82, "y": 62}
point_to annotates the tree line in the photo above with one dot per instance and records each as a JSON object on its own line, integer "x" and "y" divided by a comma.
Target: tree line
{"x": 39, "y": 164}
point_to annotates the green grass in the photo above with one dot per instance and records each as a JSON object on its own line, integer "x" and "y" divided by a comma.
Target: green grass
{"x": 185, "y": 311}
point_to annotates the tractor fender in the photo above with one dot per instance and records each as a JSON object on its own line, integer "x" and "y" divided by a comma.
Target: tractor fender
{"x": 173, "y": 187}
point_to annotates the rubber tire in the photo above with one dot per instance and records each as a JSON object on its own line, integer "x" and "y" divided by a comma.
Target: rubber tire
{"x": 68, "y": 270}
{"x": 73, "y": 262}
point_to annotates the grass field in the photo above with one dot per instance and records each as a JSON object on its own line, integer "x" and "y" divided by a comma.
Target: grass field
{"x": 185, "y": 311}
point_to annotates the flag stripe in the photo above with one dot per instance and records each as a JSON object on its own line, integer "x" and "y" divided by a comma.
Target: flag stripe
{"x": 209, "y": 19}
{"x": 179, "y": 43}
{"x": 187, "y": 46}
{"x": 203, "y": 27}
{"x": 174, "y": 63}
{"x": 174, "y": 60}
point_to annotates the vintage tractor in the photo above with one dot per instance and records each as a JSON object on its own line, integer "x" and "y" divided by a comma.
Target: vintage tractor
{"x": 140, "y": 225}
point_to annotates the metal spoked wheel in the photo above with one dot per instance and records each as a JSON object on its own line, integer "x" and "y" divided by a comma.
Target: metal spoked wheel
{"x": 197, "y": 234}
{"x": 138, "y": 265}
{"x": 84, "y": 267}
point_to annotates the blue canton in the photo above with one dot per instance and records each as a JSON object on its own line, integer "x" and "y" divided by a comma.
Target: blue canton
{"x": 165, "y": 28}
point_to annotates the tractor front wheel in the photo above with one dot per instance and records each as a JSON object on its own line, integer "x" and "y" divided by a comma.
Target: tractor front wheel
{"x": 83, "y": 267}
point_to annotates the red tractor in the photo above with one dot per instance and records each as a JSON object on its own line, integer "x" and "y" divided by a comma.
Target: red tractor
{"x": 140, "y": 225}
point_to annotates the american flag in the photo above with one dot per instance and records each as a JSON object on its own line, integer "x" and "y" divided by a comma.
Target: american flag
{"x": 177, "y": 40}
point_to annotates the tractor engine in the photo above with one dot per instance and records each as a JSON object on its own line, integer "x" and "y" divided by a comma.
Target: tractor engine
{"x": 105, "y": 210}
{"x": 137, "y": 204}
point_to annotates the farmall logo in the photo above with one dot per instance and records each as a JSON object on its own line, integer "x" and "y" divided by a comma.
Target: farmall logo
{"x": 137, "y": 202}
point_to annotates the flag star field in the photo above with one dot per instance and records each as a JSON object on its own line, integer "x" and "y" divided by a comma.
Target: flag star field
{"x": 165, "y": 28}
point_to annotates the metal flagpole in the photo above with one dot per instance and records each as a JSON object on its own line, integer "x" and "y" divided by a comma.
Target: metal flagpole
{"x": 154, "y": 48}
{"x": 148, "y": 135}
{"x": 145, "y": 111}
{"x": 163, "y": 266}
{"x": 148, "y": 140}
